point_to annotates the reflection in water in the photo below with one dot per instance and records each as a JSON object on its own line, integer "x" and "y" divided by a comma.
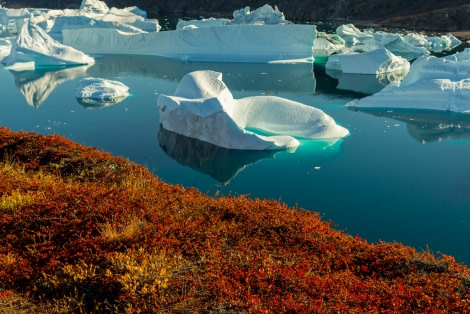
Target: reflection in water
{"x": 365, "y": 83}
{"x": 90, "y": 103}
{"x": 266, "y": 77}
{"x": 220, "y": 163}
{"x": 430, "y": 125}
{"x": 37, "y": 85}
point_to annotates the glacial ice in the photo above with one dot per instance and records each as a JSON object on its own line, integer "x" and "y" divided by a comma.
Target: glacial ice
{"x": 33, "y": 48}
{"x": 204, "y": 108}
{"x": 432, "y": 83}
{"x": 362, "y": 41}
{"x": 265, "y": 15}
{"x": 92, "y": 92}
{"x": 376, "y": 61}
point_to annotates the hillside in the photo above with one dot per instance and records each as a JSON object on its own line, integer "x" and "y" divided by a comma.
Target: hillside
{"x": 82, "y": 231}
{"x": 446, "y": 15}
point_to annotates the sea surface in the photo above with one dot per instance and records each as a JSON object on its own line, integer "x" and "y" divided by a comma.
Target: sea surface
{"x": 400, "y": 176}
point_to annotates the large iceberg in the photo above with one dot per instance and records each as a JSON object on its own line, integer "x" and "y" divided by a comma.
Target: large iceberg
{"x": 33, "y": 48}
{"x": 376, "y": 61}
{"x": 203, "y": 108}
{"x": 262, "y": 35}
{"x": 432, "y": 83}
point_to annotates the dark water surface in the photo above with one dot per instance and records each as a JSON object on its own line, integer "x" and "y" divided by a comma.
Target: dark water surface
{"x": 400, "y": 176}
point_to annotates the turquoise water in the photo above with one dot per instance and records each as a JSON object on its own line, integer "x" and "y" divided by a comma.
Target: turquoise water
{"x": 399, "y": 176}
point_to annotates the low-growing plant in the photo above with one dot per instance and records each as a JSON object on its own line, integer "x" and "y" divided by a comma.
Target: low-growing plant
{"x": 85, "y": 232}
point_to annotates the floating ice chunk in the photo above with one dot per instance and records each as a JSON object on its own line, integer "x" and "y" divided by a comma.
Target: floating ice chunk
{"x": 100, "y": 92}
{"x": 203, "y": 108}
{"x": 33, "y": 45}
{"x": 359, "y": 41}
{"x": 94, "y": 6}
{"x": 373, "y": 62}
{"x": 263, "y": 15}
{"x": 434, "y": 43}
{"x": 432, "y": 83}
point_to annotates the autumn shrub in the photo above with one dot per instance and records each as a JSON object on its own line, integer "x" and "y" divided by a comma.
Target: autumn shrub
{"x": 83, "y": 231}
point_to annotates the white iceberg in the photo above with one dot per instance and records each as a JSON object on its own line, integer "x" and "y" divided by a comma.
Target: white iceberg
{"x": 434, "y": 43}
{"x": 100, "y": 92}
{"x": 265, "y": 15}
{"x": 362, "y": 41}
{"x": 34, "y": 48}
{"x": 231, "y": 42}
{"x": 432, "y": 83}
{"x": 203, "y": 108}
{"x": 376, "y": 61}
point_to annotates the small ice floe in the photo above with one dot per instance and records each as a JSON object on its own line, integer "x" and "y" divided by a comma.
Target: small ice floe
{"x": 98, "y": 92}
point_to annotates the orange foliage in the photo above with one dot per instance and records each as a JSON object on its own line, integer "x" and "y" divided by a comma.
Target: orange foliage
{"x": 99, "y": 233}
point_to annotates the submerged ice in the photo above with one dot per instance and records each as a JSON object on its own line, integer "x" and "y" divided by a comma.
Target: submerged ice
{"x": 204, "y": 108}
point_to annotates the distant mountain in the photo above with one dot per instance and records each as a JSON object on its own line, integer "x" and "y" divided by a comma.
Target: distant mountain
{"x": 439, "y": 15}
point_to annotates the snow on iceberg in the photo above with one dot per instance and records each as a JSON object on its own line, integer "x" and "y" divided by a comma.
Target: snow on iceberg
{"x": 204, "y": 108}
{"x": 432, "y": 83}
{"x": 93, "y": 92}
{"x": 372, "y": 62}
{"x": 35, "y": 48}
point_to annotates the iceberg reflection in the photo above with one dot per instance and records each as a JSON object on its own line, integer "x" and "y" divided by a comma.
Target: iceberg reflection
{"x": 365, "y": 83}
{"x": 220, "y": 163}
{"x": 36, "y": 86}
{"x": 428, "y": 126}
{"x": 270, "y": 78}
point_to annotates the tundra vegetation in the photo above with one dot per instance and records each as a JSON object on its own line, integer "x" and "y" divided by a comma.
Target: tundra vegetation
{"x": 83, "y": 231}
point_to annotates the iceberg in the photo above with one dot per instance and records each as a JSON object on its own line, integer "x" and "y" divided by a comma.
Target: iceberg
{"x": 33, "y": 48}
{"x": 432, "y": 84}
{"x": 262, "y": 36}
{"x": 376, "y": 61}
{"x": 265, "y": 15}
{"x": 434, "y": 43}
{"x": 242, "y": 43}
{"x": 98, "y": 92}
{"x": 204, "y": 108}
{"x": 360, "y": 41}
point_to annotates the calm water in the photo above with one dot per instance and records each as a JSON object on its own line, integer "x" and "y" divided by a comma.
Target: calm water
{"x": 399, "y": 176}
